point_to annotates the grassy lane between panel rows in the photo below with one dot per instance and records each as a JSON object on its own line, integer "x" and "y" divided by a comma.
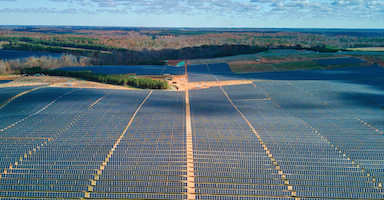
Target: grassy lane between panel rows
{"x": 145, "y": 83}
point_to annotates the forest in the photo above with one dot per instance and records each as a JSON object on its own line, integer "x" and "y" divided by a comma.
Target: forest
{"x": 132, "y": 46}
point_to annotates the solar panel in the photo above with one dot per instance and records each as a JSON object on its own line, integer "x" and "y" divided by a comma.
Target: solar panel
{"x": 323, "y": 142}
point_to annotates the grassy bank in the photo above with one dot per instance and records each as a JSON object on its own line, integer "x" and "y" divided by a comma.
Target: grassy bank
{"x": 374, "y": 49}
{"x": 124, "y": 80}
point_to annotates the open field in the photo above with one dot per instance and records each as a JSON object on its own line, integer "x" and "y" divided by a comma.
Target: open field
{"x": 367, "y": 49}
{"x": 299, "y": 134}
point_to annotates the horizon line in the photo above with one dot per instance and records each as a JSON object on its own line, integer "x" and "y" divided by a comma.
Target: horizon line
{"x": 180, "y": 27}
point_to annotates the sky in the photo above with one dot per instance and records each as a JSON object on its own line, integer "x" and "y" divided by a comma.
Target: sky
{"x": 196, "y": 13}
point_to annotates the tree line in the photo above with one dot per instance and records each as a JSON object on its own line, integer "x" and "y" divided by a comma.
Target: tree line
{"x": 156, "y": 57}
{"x": 47, "y": 62}
{"x": 145, "y": 83}
{"x": 51, "y": 43}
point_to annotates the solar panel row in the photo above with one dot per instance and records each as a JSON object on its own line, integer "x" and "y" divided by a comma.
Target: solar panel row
{"x": 229, "y": 161}
{"x": 343, "y": 110}
{"x": 151, "y": 157}
{"x": 77, "y": 136}
{"x": 211, "y": 72}
{"x": 301, "y": 133}
{"x": 325, "y": 141}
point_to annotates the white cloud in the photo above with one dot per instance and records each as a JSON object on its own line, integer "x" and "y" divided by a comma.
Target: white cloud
{"x": 311, "y": 8}
{"x": 224, "y": 10}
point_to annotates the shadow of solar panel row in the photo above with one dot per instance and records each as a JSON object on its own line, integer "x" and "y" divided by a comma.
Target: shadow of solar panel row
{"x": 352, "y": 101}
{"x": 229, "y": 161}
{"x": 365, "y": 98}
{"x": 46, "y": 124}
{"x": 130, "y": 69}
{"x": 222, "y": 72}
{"x": 150, "y": 161}
{"x": 211, "y": 72}
{"x": 346, "y": 105}
{"x": 65, "y": 166}
{"x": 246, "y": 92}
{"x": 311, "y": 164}
{"x": 199, "y": 73}
{"x": 17, "y": 140}
{"x": 219, "y": 68}
{"x": 294, "y": 144}
{"x": 174, "y": 70}
{"x": 5, "y": 81}
{"x": 27, "y": 104}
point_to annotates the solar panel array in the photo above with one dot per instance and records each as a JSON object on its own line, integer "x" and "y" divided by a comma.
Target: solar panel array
{"x": 28, "y": 105}
{"x": 21, "y": 142}
{"x": 211, "y": 72}
{"x": 354, "y": 118}
{"x": 199, "y": 73}
{"x": 307, "y": 156}
{"x": 8, "y": 92}
{"x": 229, "y": 161}
{"x": 289, "y": 137}
{"x": 354, "y": 73}
{"x": 174, "y": 70}
{"x": 150, "y": 161}
{"x": 222, "y": 72}
{"x": 5, "y": 81}
{"x": 327, "y": 143}
{"x": 130, "y": 69}
{"x": 63, "y": 137}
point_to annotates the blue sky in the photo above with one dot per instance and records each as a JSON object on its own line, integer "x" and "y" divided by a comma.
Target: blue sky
{"x": 196, "y": 13}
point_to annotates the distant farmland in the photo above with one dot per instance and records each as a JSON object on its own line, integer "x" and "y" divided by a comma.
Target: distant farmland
{"x": 367, "y": 49}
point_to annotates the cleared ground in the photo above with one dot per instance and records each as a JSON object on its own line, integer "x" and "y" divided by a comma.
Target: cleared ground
{"x": 279, "y": 135}
{"x": 54, "y": 81}
{"x": 367, "y": 49}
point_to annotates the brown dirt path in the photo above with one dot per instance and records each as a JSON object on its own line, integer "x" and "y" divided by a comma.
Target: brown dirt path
{"x": 181, "y": 83}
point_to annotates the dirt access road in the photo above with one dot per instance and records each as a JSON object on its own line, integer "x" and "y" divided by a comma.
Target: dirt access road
{"x": 178, "y": 82}
{"x": 181, "y": 83}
